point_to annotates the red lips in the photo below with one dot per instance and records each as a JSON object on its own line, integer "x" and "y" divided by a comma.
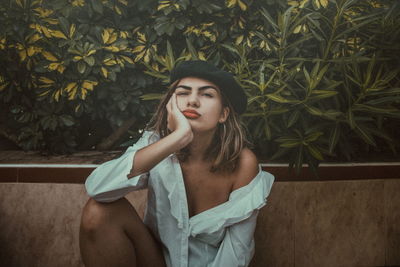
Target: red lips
{"x": 191, "y": 113}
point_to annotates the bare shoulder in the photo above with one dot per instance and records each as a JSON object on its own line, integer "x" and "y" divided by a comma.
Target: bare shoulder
{"x": 246, "y": 170}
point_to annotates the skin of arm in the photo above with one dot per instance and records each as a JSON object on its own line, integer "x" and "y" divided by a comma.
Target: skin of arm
{"x": 147, "y": 157}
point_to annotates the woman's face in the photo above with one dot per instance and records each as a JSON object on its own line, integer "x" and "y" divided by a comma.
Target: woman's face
{"x": 200, "y": 101}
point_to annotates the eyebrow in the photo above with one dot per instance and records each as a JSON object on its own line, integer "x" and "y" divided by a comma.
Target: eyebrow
{"x": 200, "y": 88}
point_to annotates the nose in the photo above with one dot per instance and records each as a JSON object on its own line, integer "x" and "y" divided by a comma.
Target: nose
{"x": 193, "y": 100}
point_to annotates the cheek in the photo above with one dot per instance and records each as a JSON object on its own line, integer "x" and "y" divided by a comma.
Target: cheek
{"x": 180, "y": 101}
{"x": 216, "y": 110}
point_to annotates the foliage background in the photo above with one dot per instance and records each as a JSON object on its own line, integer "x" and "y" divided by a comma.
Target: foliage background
{"x": 322, "y": 76}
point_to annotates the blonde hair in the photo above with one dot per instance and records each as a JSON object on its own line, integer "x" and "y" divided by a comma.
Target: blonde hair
{"x": 229, "y": 139}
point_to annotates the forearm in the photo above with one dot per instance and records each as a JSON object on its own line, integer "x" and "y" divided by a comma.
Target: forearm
{"x": 149, "y": 156}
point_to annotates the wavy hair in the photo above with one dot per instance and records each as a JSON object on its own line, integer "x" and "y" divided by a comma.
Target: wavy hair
{"x": 229, "y": 139}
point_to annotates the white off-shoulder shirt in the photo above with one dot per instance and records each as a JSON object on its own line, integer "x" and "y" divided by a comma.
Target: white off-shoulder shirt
{"x": 218, "y": 237}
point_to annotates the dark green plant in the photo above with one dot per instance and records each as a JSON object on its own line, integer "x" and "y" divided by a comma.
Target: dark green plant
{"x": 322, "y": 81}
{"x": 322, "y": 76}
{"x": 59, "y": 66}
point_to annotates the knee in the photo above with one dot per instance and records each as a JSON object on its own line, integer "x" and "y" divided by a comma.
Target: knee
{"x": 97, "y": 215}
{"x": 94, "y": 215}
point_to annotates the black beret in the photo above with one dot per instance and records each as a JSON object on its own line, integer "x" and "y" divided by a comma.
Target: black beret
{"x": 223, "y": 79}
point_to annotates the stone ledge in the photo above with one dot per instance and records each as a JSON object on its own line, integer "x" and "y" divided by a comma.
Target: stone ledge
{"x": 32, "y": 167}
{"x": 32, "y": 157}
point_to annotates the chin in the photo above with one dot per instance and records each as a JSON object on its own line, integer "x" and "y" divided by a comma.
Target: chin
{"x": 202, "y": 130}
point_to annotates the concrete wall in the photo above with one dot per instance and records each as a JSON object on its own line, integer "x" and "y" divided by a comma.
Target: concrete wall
{"x": 323, "y": 223}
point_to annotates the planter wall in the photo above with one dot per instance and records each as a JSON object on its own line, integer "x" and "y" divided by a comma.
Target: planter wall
{"x": 348, "y": 221}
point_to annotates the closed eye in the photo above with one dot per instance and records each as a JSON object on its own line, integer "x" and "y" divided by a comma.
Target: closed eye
{"x": 208, "y": 95}
{"x": 182, "y": 93}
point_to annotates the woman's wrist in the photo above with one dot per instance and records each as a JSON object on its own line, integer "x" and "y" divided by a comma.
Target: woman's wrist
{"x": 182, "y": 138}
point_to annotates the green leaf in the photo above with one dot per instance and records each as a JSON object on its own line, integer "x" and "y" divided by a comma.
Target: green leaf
{"x": 122, "y": 104}
{"x": 321, "y": 94}
{"x": 319, "y": 76}
{"x": 389, "y": 111}
{"x": 231, "y": 48}
{"x": 191, "y": 49}
{"x": 314, "y": 111}
{"x": 294, "y": 116}
{"x": 254, "y": 114}
{"x": 299, "y": 160}
{"x": 383, "y": 100}
{"x": 368, "y": 74}
{"x": 315, "y": 152}
{"x": 266, "y": 15}
{"x": 298, "y": 42}
{"x": 285, "y": 23}
{"x": 90, "y": 61}
{"x": 332, "y": 114}
{"x": 158, "y": 75}
{"x": 67, "y": 120}
{"x": 354, "y": 28}
{"x": 277, "y": 98}
{"x": 281, "y": 152}
{"x": 64, "y": 25}
{"x": 267, "y": 131}
{"x": 365, "y": 134}
{"x": 151, "y": 96}
{"x": 381, "y": 133}
{"x": 334, "y": 137}
{"x": 315, "y": 70}
{"x": 170, "y": 59}
{"x": 289, "y": 144}
{"x": 81, "y": 67}
{"x": 386, "y": 91}
{"x": 97, "y": 6}
{"x": 354, "y": 80}
{"x": 313, "y": 136}
{"x": 277, "y": 111}
{"x": 317, "y": 26}
{"x": 306, "y": 75}
{"x": 350, "y": 117}
{"x": 252, "y": 99}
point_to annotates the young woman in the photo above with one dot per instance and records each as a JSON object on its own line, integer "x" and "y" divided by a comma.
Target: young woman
{"x": 205, "y": 186}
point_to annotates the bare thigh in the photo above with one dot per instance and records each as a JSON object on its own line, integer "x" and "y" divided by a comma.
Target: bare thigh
{"x": 116, "y": 232}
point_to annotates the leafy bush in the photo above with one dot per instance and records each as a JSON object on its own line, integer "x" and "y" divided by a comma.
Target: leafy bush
{"x": 322, "y": 76}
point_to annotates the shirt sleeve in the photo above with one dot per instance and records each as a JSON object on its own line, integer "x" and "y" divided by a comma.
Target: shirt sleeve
{"x": 237, "y": 247}
{"x": 109, "y": 181}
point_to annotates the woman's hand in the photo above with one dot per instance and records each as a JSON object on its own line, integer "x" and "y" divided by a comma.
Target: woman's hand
{"x": 149, "y": 156}
{"x": 176, "y": 121}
